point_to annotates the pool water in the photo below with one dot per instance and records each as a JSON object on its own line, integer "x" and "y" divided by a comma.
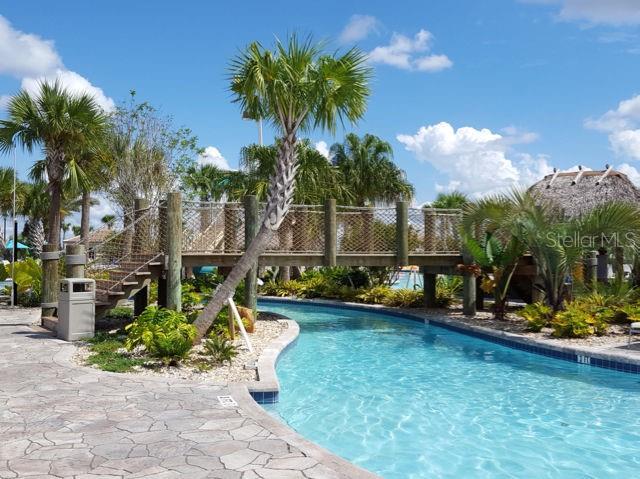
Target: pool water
{"x": 408, "y": 400}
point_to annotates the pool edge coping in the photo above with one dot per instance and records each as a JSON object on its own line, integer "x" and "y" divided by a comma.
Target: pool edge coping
{"x": 593, "y": 357}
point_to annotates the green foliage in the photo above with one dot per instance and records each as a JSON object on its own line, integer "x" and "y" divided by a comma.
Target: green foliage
{"x": 153, "y": 291}
{"x": 106, "y": 356}
{"x": 538, "y": 315}
{"x": 578, "y": 320}
{"x": 404, "y": 298}
{"x": 165, "y": 333}
{"x": 120, "y": 313}
{"x": 220, "y": 348}
{"x": 189, "y": 297}
{"x": 375, "y": 295}
{"x": 28, "y": 276}
{"x": 447, "y": 290}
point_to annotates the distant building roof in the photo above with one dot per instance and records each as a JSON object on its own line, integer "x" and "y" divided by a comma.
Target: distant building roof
{"x": 95, "y": 237}
{"x": 579, "y": 192}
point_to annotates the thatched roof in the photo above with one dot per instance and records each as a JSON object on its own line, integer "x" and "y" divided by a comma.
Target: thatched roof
{"x": 578, "y": 192}
{"x": 95, "y": 237}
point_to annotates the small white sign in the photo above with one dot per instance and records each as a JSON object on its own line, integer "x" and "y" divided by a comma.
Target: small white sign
{"x": 584, "y": 359}
{"x": 227, "y": 401}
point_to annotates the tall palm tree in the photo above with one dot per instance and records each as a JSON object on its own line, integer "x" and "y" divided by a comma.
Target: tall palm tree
{"x": 296, "y": 87}
{"x": 54, "y": 120}
{"x": 207, "y": 182}
{"x": 6, "y": 195}
{"x": 368, "y": 168}
{"x": 35, "y": 208}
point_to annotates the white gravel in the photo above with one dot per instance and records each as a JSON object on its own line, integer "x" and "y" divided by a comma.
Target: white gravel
{"x": 265, "y": 332}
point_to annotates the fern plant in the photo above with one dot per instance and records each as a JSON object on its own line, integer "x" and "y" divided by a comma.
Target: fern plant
{"x": 164, "y": 333}
{"x": 220, "y": 348}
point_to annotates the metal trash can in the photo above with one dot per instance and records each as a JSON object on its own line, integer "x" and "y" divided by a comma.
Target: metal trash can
{"x": 76, "y": 309}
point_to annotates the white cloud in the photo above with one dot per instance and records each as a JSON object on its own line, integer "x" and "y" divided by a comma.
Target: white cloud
{"x": 359, "y": 28}
{"x": 23, "y": 54}
{"x": 4, "y": 101}
{"x": 476, "y": 161}
{"x": 632, "y": 173}
{"x": 212, "y": 156}
{"x": 623, "y": 126}
{"x": 405, "y": 53}
{"x": 322, "y": 148}
{"x": 33, "y": 59}
{"x": 612, "y": 12}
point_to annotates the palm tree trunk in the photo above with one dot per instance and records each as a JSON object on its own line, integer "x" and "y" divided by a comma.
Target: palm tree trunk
{"x": 85, "y": 215}
{"x": 53, "y": 235}
{"x": 278, "y": 203}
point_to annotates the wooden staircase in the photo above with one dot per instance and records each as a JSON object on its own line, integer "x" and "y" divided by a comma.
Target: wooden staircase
{"x": 126, "y": 278}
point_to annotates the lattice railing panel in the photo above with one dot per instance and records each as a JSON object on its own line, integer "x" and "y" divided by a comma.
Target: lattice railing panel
{"x": 434, "y": 231}
{"x": 212, "y": 227}
{"x": 366, "y": 230}
{"x": 302, "y": 231}
{"x": 129, "y": 249}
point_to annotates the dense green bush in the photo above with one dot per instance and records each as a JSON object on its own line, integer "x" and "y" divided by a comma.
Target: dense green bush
{"x": 165, "y": 333}
{"x": 375, "y": 295}
{"x": 578, "y": 321}
{"x": 404, "y": 298}
{"x": 121, "y": 313}
{"x": 537, "y": 315}
{"x": 447, "y": 290}
{"x": 220, "y": 348}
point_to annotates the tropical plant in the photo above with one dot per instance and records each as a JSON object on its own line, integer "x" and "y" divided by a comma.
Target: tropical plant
{"x": 108, "y": 220}
{"x": 296, "y": 87}
{"x": 6, "y": 196}
{"x": 375, "y": 295}
{"x": 447, "y": 290}
{"x": 578, "y": 321}
{"x": 453, "y": 200}
{"x": 367, "y": 165}
{"x": 164, "y": 333}
{"x": 537, "y": 315}
{"x": 55, "y": 120}
{"x": 220, "y": 348}
{"x": 497, "y": 250}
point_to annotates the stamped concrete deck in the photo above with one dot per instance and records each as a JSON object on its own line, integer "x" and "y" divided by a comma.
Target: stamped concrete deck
{"x": 62, "y": 420}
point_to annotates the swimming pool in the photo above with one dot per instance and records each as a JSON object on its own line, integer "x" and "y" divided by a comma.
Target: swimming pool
{"x": 407, "y": 400}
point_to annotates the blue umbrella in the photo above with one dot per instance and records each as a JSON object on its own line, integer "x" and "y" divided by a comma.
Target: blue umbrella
{"x": 9, "y": 245}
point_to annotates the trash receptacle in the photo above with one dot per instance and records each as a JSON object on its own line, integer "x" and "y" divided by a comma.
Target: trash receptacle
{"x": 76, "y": 309}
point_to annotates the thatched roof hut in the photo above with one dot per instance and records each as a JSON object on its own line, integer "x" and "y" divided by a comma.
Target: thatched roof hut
{"x": 578, "y": 192}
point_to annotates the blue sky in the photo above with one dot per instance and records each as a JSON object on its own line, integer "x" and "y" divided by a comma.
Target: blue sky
{"x": 471, "y": 95}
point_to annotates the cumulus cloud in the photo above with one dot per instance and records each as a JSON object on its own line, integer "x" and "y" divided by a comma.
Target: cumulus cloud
{"x": 477, "y": 161}
{"x": 212, "y": 156}
{"x": 623, "y": 127}
{"x": 34, "y": 59}
{"x": 322, "y": 148}
{"x": 632, "y": 173}
{"x": 409, "y": 53}
{"x": 359, "y": 28}
{"x": 612, "y": 12}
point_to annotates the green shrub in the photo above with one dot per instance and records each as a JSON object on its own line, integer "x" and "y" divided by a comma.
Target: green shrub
{"x": 153, "y": 291}
{"x": 538, "y": 315}
{"x": 375, "y": 295}
{"x": 120, "y": 313}
{"x": 220, "y": 348}
{"x": 578, "y": 321}
{"x": 189, "y": 298}
{"x": 165, "y": 333}
{"x": 447, "y": 289}
{"x": 269, "y": 288}
{"x": 105, "y": 354}
{"x": 404, "y": 298}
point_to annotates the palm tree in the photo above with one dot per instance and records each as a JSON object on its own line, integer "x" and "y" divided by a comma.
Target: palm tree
{"x": 6, "y": 195}
{"x": 296, "y": 87}
{"x": 493, "y": 234}
{"x": 453, "y": 200}
{"x": 55, "y": 120}
{"x": 108, "y": 220}
{"x": 35, "y": 208}
{"x": 207, "y": 182}
{"x": 368, "y": 168}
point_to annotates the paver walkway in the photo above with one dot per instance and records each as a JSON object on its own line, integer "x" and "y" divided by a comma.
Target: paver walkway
{"x": 61, "y": 420}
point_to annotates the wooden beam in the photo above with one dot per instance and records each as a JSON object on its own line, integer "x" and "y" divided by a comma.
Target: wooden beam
{"x": 174, "y": 250}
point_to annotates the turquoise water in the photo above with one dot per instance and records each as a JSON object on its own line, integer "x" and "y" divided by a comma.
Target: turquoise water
{"x": 406, "y": 400}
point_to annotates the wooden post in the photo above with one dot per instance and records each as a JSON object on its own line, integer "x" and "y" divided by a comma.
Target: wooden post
{"x": 50, "y": 256}
{"x": 430, "y": 240}
{"x": 174, "y": 250}
{"x": 603, "y": 266}
{"x": 402, "y": 233}
{"x": 141, "y": 300}
{"x": 429, "y": 281}
{"x": 591, "y": 269}
{"x": 162, "y": 289}
{"x": 479, "y": 296}
{"x": 330, "y": 233}
{"x": 618, "y": 265}
{"x": 468, "y": 289}
{"x": 251, "y": 226}
{"x": 75, "y": 260}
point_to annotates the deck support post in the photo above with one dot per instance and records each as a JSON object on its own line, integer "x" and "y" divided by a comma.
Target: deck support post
{"x": 603, "y": 266}
{"x": 402, "y": 233}
{"x": 618, "y": 264}
{"x": 50, "y": 257}
{"x": 251, "y": 225}
{"x": 330, "y": 232}
{"x": 591, "y": 269}
{"x": 479, "y": 296}
{"x": 141, "y": 300}
{"x": 75, "y": 260}
{"x": 468, "y": 288}
{"x": 429, "y": 281}
{"x": 174, "y": 250}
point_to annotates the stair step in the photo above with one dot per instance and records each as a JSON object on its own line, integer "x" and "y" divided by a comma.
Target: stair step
{"x": 119, "y": 274}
